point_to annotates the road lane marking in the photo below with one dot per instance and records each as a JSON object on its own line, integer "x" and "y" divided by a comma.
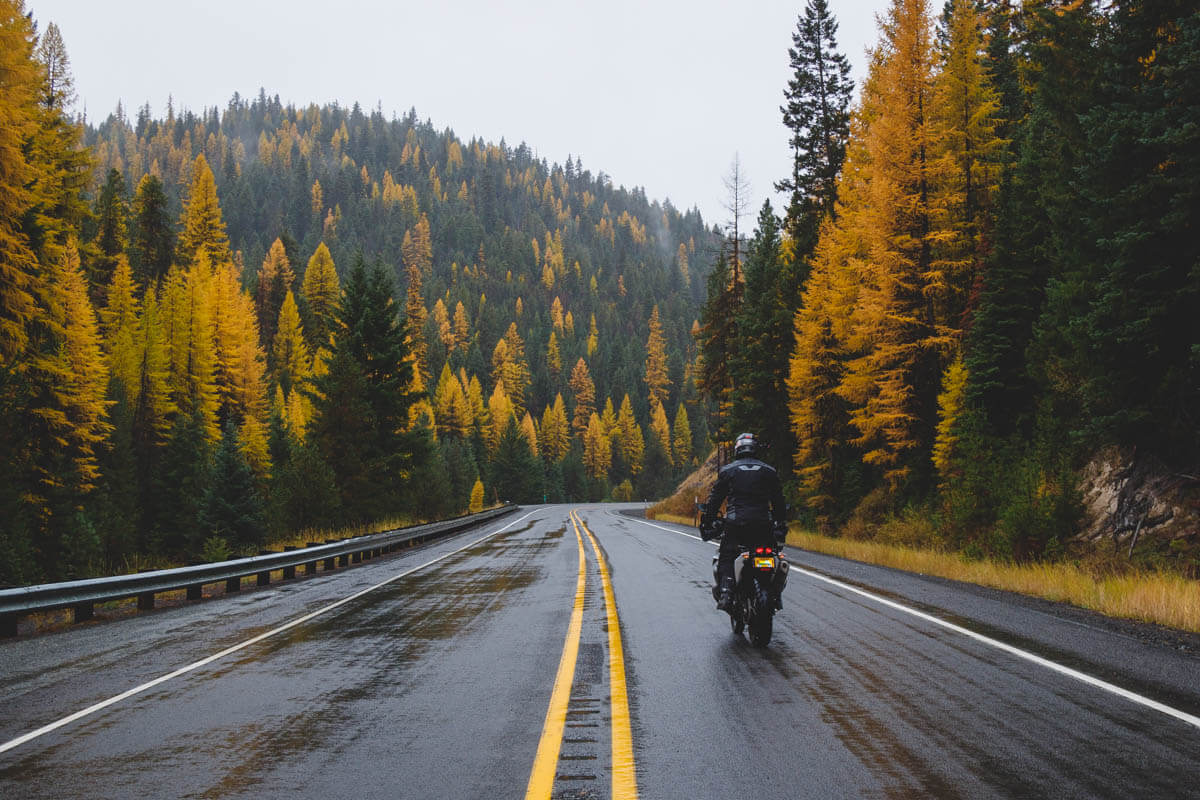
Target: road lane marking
{"x": 624, "y": 770}
{"x": 545, "y": 764}
{"x": 1062, "y": 669}
{"x": 78, "y": 715}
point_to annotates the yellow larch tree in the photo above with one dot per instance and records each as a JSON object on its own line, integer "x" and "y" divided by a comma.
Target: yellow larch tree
{"x": 69, "y": 381}
{"x": 155, "y": 407}
{"x": 950, "y": 407}
{"x": 593, "y": 339}
{"x": 253, "y": 441}
{"x": 275, "y": 279}
{"x": 188, "y": 314}
{"x": 500, "y": 413}
{"x": 292, "y": 363}
{"x": 681, "y": 441}
{"x": 660, "y": 428}
{"x": 462, "y": 326}
{"x": 414, "y": 326}
{"x": 475, "y": 400}
{"x": 202, "y": 226}
{"x": 584, "y": 391}
{"x": 451, "y": 407}
{"x": 510, "y": 367}
{"x": 322, "y": 292}
{"x": 657, "y": 380}
{"x": 896, "y": 338}
{"x": 120, "y": 322}
{"x": 240, "y": 362}
{"x": 531, "y": 435}
{"x": 417, "y": 247}
{"x": 556, "y": 435}
{"x": 21, "y": 82}
{"x": 597, "y": 449}
{"x": 818, "y": 413}
{"x": 966, "y": 162}
{"x": 608, "y": 418}
{"x": 553, "y": 357}
{"x": 630, "y": 443}
{"x": 441, "y": 321}
{"x": 476, "y": 504}
{"x": 556, "y": 314}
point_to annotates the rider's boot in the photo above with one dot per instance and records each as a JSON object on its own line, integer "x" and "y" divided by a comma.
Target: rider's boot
{"x": 725, "y": 601}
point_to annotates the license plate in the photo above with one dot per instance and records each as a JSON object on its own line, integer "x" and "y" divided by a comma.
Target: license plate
{"x": 764, "y": 563}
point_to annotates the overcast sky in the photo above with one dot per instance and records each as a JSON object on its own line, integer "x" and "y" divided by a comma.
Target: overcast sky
{"x": 656, "y": 93}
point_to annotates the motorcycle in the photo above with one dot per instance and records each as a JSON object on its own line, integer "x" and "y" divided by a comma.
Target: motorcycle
{"x": 759, "y": 576}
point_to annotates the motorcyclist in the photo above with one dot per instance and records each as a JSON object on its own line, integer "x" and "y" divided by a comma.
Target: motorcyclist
{"x": 754, "y": 515}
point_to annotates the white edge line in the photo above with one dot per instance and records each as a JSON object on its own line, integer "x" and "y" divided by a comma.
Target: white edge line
{"x": 53, "y": 726}
{"x": 1062, "y": 669}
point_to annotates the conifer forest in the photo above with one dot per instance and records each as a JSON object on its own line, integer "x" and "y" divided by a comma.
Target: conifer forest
{"x": 223, "y": 328}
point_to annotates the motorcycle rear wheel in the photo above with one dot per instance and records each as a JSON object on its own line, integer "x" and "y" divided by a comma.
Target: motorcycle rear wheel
{"x": 760, "y": 630}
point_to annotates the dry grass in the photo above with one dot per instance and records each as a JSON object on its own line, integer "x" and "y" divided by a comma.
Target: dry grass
{"x": 320, "y": 536}
{"x": 1156, "y": 597}
{"x": 681, "y": 506}
{"x": 1145, "y": 596}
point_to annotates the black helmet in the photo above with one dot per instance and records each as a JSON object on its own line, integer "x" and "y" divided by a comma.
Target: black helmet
{"x": 745, "y": 446}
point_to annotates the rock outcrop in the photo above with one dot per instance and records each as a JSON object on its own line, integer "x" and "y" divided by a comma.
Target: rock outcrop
{"x": 1129, "y": 498}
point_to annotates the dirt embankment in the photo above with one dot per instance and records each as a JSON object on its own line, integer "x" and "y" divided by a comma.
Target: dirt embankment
{"x": 695, "y": 487}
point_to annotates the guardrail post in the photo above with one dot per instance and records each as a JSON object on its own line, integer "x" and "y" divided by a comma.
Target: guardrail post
{"x": 264, "y": 578}
{"x": 8, "y": 625}
{"x": 311, "y": 567}
{"x": 356, "y": 557}
{"x": 146, "y": 601}
{"x": 195, "y": 592}
{"x": 289, "y": 572}
{"x": 84, "y": 612}
{"x": 343, "y": 560}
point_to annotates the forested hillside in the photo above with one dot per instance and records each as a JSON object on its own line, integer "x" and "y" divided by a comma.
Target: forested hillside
{"x": 223, "y": 326}
{"x": 988, "y": 276}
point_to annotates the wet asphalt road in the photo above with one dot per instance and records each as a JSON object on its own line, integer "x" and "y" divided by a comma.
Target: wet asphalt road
{"x": 437, "y": 685}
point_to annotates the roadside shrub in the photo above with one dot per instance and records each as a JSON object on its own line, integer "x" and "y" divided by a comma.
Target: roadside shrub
{"x": 215, "y": 549}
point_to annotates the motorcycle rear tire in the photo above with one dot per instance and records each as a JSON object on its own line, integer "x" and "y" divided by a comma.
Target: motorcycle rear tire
{"x": 760, "y": 630}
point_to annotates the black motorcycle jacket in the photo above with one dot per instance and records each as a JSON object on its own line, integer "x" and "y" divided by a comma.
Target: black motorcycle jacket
{"x": 753, "y": 491}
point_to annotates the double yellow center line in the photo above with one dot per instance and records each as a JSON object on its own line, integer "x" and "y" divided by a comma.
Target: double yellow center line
{"x": 545, "y": 765}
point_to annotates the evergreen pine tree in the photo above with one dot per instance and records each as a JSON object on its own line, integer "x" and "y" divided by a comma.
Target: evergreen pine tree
{"x": 817, "y": 113}
{"x": 112, "y": 213}
{"x": 1133, "y": 332}
{"x": 361, "y": 407}
{"x": 231, "y": 508}
{"x": 151, "y": 234}
{"x": 516, "y": 472}
{"x": 758, "y": 366}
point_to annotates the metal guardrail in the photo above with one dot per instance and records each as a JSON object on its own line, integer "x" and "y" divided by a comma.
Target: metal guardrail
{"x": 81, "y": 596}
